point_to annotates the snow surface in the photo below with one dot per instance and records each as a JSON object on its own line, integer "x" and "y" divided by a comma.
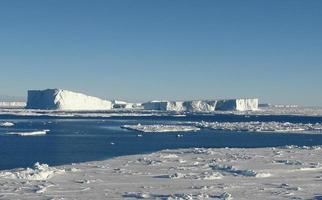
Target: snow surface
{"x": 58, "y": 99}
{"x": 226, "y": 173}
{"x": 160, "y": 128}
{"x": 30, "y": 133}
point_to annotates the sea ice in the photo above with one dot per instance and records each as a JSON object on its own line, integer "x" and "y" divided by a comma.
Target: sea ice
{"x": 262, "y": 126}
{"x": 6, "y": 124}
{"x": 160, "y": 128}
{"x": 31, "y": 133}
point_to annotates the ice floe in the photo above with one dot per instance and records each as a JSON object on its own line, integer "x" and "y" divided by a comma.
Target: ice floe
{"x": 160, "y": 128}
{"x": 30, "y": 133}
{"x": 6, "y": 124}
{"x": 288, "y": 172}
{"x": 262, "y": 126}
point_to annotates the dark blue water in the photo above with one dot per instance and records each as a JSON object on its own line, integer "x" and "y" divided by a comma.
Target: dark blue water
{"x": 86, "y": 139}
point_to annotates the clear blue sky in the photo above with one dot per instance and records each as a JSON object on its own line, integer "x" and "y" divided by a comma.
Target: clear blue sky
{"x": 164, "y": 49}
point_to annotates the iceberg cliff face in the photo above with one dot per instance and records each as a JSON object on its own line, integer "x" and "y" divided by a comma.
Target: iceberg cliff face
{"x": 203, "y": 106}
{"x": 164, "y": 105}
{"x": 58, "y": 99}
{"x": 237, "y": 104}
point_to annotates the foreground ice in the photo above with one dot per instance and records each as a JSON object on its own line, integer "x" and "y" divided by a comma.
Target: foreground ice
{"x": 39, "y": 172}
{"x": 262, "y": 126}
{"x": 196, "y": 173}
{"x": 160, "y": 128}
{"x": 31, "y": 133}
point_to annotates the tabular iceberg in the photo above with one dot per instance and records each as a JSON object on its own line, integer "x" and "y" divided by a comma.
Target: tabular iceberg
{"x": 203, "y": 105}
{"x": 58, "y": 99}
{"x": 237, "y": 104}
{"x": 164, "y": 105}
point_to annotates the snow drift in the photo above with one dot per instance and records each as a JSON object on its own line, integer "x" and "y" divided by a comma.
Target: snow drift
{"x": 58, "y": 99}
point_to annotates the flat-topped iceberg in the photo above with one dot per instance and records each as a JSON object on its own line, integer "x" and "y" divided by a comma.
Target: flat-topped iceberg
{"x": 203, "y": 105}
{"x": 58, "y": 99}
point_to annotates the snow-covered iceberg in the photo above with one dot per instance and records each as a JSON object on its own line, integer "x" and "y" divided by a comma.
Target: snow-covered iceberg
{"x": 58, "y": 99}
{"x": 203, "y": 105}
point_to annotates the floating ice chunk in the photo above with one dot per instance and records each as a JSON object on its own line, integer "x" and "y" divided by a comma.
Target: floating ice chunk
{"x": 39, "y": 172}
{"x": 160, "y": 128}
{"x": 6, "y": 124}
{"x": 32, "y": 133}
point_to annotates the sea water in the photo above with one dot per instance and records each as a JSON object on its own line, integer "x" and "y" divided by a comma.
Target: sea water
{"x": 81, "y": 139}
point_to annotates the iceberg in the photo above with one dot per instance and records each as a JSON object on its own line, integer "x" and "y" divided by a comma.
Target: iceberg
{"x": 203, "y": 105}
{"x": 58, "y": 99}
{"x": 12, "y": 104}
{"x": 164, "y": 105}
{"x": 200, "y": 106}
{"x": 237, "y": 104}
{"x": 122, "y": 104}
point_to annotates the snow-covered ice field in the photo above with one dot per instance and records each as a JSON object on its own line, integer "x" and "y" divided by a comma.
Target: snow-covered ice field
{"x": 196, "y": 173}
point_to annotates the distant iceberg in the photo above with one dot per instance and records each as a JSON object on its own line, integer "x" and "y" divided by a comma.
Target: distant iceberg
{"x": 12, "y": 104}
{"x": 58, "y": 99}
{"x": 203, "y": 105}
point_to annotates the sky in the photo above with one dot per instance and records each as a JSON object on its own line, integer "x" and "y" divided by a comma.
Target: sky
{"x": 140, "y": 50}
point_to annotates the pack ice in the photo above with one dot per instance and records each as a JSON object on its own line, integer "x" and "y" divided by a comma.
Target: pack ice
{"x": 204, "y": 105}
{"x": 58, "y": 99}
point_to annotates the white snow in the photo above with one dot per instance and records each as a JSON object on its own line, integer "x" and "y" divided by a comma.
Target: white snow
{"x": 58, "y": 99}
{"x": 262, "y": 126}
{"x": 30, "y": 133}
{"x": 194, "y": 173}
{"x": 6, "y": 124}
{"x": 160, "y": 128}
